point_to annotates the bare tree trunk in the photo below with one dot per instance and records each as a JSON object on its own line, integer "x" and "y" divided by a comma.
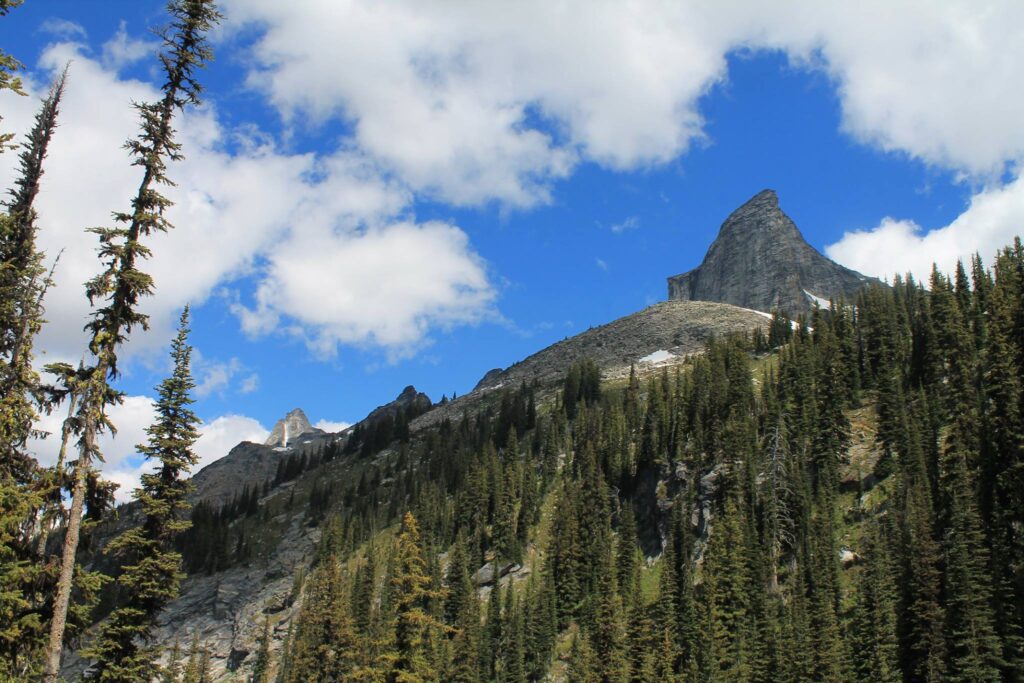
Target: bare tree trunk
{"x": 53, "y": 509}
{"x": 67, "y": 565}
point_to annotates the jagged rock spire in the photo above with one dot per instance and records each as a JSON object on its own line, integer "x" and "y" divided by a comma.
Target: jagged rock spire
{"x": 761, "y": 261}
{"x": 290, "y": 427}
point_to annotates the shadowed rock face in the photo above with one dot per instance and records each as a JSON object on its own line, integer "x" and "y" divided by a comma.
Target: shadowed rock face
{"x": 292, "y": 426}
{"x": 761, "y": 261}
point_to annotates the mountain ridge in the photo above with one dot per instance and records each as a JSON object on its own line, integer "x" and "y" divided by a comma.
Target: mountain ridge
{"x": 760, "y": 260}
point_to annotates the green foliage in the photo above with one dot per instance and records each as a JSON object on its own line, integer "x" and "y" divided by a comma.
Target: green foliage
{"x": 151, "y": 572}
{"x": 116, "y": 291}
{"x": 737, "y": 471}
{"x": 24, "y": 578}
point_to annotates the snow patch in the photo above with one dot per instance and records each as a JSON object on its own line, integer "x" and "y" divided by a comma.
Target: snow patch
{"x": 824, "y": 303}
{"x": 760, "y": 313}
{"x": 659, "y": 356}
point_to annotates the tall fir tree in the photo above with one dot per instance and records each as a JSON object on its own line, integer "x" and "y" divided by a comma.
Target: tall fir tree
{"x": 417, "y": 631}
{"x": 23, "y": 283}
{"x": 120, "y": 286}
{"x": 124, "y": 649}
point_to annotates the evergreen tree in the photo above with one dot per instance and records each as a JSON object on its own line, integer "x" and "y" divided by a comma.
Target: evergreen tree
{"x": 417, "y": 632}
{"x": 122, "y": 284}
{"x": 261, "y": 667}
{"x": 874, "y": 629}
{"x": 323, "y": 645}
{"x": 123, "y": 651}
{"x": 23, "y": 283}
{"x": 974, "y": 648}
{"x": 171, "y": 672}
{"x": 726, "y": 602}
{"x": 582, "y": 661}
{"x": 462, "y": 610}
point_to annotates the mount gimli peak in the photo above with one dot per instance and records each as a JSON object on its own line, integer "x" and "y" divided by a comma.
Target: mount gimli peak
{"x": 290, "y": 427}
{"x": 761, "y": 261}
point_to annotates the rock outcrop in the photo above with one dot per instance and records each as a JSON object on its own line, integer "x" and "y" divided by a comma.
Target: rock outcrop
{"x": 289, "y": 428}
{"x": 761, "y": 261}
{"x": 410, "y": 402}
{"x": 668, "y": 330}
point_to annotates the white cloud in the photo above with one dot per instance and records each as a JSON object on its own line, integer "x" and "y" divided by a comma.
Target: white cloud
{"x": 385, "y": 286}
{"x": 122, "y": 462}
{"x": 62, "y": 28}
{"x": 448, "y": 96}
{"x": 214, "y": 376}
{"x": 990, "y": 222}
{"x": 237, "y": 198}
{"x": 332, "y": 427}
{"x": 630, "y": 223}
{"x": 250, "y": 384}
{"x": 220, "y": 435}
{"x": 601, "y": 264}
{"x": 934, "y": 80}
{"x": 123, "y": 49}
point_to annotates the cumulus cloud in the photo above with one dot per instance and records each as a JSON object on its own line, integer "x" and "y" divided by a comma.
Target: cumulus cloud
{"x": 386, "y": 286}
{"x": 214, "y": 376}
{"x": 450, "y": 96}
{"x": 123, "y": 49}
{"x": 896, "y": 246}
{"x": 122, "y": 463}
{"x": 331, "y": 426}
{"x": 237, "y": 198}
{"x": 220, "y": 435}
{"x": 481, "y": 103}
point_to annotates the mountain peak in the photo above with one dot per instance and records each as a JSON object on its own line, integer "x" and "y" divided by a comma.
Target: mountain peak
{"x": 765, "y": 197}
{"x": 291, "y": 426}
{"x": 760, "y": 260}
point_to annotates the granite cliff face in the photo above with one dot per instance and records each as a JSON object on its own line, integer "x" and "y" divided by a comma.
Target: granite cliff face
{"x": 761, "y": 261}
{"x": 292, "y": 426}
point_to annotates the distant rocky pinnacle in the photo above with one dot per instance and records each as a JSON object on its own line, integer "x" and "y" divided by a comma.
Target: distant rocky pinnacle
{"x": 761, "y": 261}
{"x": 293, "y": 425}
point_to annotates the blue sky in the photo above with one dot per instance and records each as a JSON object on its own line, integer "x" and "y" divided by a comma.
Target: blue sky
{"x": 414, "y": 193}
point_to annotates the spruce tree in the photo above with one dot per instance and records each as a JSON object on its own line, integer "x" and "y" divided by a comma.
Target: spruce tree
{"x": 874, "y": 629}
{"x": 463, "y": 607}
{"x": 261, "y": 667}
{"x": 124, "y": 649}
{"x": 417, "y": 632}
{"x": 974, "y": 649}
{"x": 171, "y": 672}
{"x": 121, "y": 285}
{"x": 726, "y": 601}
{"x": 323, "y": 645}
{"x": 23, "y": 283}
{"x": 582, "y": 661}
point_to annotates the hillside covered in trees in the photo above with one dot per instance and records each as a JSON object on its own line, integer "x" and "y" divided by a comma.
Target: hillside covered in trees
{"x": 838, "y": 497}
{"x": 708, "y": 522}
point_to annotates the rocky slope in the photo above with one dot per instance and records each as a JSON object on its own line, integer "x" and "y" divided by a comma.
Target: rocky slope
{"x": 761, "y": 261}
{"x": 660, "y": 334}
{"x": 226, "y": 609}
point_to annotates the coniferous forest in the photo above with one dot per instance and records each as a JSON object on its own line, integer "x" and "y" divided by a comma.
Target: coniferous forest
{"x": 711, "y": 523}
{"x": 838, "y": 497}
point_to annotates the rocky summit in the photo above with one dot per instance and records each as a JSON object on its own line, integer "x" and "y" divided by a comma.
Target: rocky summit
{"x": 761, "y": 261}
{"x": 291, "y": 426}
